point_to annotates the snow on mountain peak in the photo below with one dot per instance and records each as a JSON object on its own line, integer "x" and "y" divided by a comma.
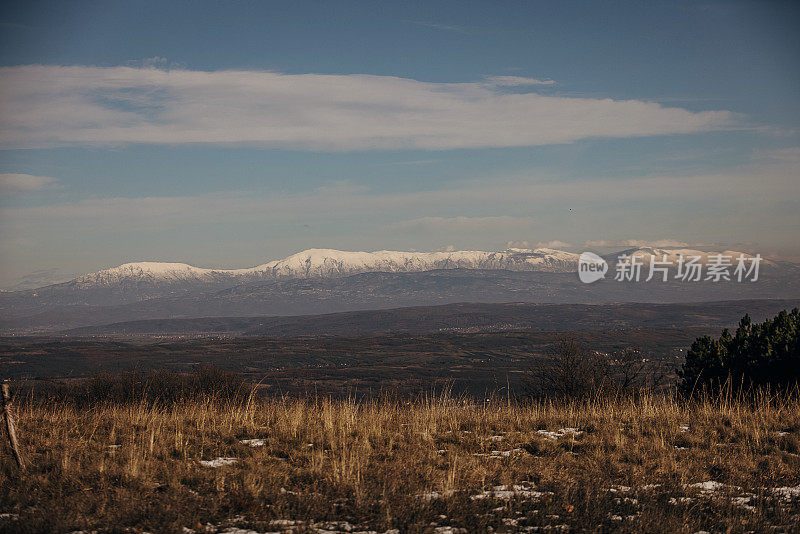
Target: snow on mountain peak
{"x": 330, "y": 262}
{"x": 321, "y": 263}
{"x": 145, "y": 270}
{"x": 314, "y": 263}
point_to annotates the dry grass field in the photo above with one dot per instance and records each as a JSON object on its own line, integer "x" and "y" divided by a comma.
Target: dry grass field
{"x": 438, "y": 464}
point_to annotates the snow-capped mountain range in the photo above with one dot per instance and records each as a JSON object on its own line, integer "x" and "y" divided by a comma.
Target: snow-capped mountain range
{"x": 315, "y": 263}
{"x": 321, "y": 263}
{"x": 326, "y": 281}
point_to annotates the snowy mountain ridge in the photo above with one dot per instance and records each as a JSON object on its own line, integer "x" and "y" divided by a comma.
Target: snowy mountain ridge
{"x": 320, "y": 263}
{"x": 328, "y": 262}
{"x": 330, "y": 281}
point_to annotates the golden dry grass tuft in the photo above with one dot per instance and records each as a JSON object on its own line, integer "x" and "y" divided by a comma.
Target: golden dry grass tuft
{"x": 415, "y": 466}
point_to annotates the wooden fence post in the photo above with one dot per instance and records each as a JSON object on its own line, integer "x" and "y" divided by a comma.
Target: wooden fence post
{"x": 12, "y": 431}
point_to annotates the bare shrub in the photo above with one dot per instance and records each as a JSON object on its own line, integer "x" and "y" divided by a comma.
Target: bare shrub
{"x": 570, "y": 370}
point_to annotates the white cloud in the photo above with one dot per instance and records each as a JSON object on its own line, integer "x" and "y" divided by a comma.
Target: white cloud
{"x": 44, "y": 106}
{"x": 16, "y": 182}
{"x": 666, "y": 243}
{"x": 749, "y": 190}
{"x": 788, "y": 155}
{"x": 516, "y": 81}
{"x": 556, "y": 244}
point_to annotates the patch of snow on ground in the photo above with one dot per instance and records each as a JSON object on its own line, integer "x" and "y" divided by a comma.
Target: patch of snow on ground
{"x": 560, "y": 433}
{"x": 708, "y": 486}
{"x": 744, "y": 502}
{"x": 524, "y": 490}
{"x": 218, "y": 462}
{"x": 788, "y": 493}
{"x": 255, "y": 442}
{"x": 498, "y": 454}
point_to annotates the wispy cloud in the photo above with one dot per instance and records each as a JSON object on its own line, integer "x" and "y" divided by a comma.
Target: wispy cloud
{"x": 44, "y": 106}
{"x": 710, "y": 195}
{"x": 516, "y": 81}
{"x": 17, "y": 183}
{"x": 556, "y": 244}
{"x": 789, "y": 155}
{"x": 659, "y": 243}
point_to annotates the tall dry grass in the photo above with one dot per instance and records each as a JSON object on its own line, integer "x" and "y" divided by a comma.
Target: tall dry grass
{"x": 392, "y": 463}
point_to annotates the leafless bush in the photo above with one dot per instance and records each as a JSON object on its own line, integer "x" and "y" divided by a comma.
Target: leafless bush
{"x": 572, "y": 371}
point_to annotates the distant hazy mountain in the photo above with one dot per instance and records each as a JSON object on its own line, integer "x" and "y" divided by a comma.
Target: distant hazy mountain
{"x": 326, "y": 281}
{"x": 134, "y": 282}
{"x": 460, "y": 318}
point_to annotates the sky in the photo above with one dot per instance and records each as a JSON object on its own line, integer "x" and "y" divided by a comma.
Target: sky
{"x": 227, "y": 134}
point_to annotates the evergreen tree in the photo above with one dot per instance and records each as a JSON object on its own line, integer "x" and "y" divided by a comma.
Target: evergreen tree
{"x": 760, "y": 354}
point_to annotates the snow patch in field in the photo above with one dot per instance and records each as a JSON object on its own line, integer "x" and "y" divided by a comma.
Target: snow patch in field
{"x": 651, "y": 487}
{"x": 255, "y": 442}
{"x": 787, "y": 493}
{"x": 218, "y": 462}
{"x": 744, "y": 501}
{"x": 524, "y": 490}
{"x": 709, "y": 486}
{"x": 560, "y": 433}
{"x": 615, "y": 517}
{"x": 498, "y": 454}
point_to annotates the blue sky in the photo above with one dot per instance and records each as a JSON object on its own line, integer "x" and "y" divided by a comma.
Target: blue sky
{"x": 230, "y": 133}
